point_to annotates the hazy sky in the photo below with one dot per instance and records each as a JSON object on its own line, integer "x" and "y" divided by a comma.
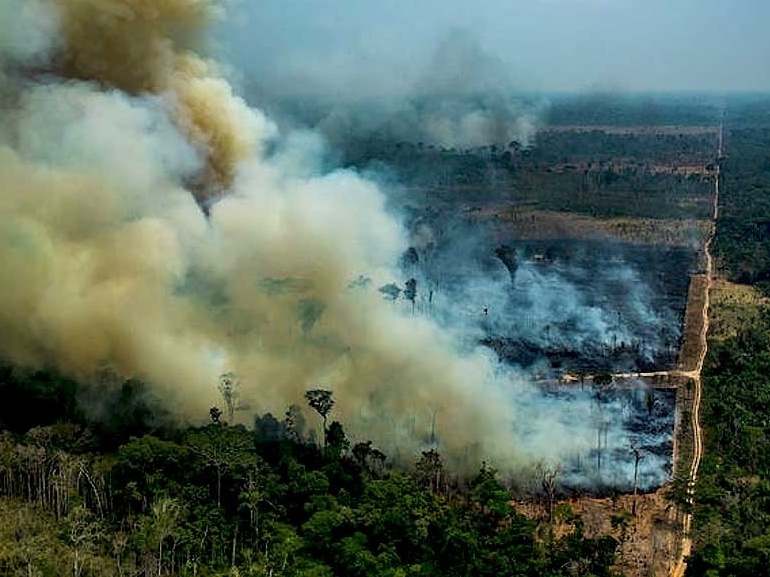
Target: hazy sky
{"x": 363, "y": 47}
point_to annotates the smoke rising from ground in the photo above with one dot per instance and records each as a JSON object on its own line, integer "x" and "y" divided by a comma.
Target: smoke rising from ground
{"x": 146, "y": 46}
{"x": 459, "y": 97}
{"x": 114, "y": 132}
{"x": 592, "y": 301}
{"x": 109, "y": 264}
{"x": 553, "y": 308}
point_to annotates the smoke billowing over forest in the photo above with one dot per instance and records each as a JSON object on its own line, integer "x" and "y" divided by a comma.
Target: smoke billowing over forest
{"x": 155, "y": 226}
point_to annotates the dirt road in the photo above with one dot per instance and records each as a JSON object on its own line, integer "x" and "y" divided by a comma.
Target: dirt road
{"x": 686, "y": 547}
{"x": 679, "y": 554}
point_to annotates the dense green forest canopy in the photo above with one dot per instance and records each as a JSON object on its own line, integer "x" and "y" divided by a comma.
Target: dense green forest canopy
{"x": 732, "y": 508}
{"x": 743, "y": 234}
{"x": 128, "y": 492}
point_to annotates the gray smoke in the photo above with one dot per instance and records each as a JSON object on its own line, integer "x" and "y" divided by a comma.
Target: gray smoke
{"x": 112, "y": 138}
{"x": 461, "y": 97}
{"x": 548, "y": 314}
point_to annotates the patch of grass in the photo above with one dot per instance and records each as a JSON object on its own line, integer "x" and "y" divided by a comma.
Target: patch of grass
{"x": 542, "y": 224}
{"x": 732, "y": 307}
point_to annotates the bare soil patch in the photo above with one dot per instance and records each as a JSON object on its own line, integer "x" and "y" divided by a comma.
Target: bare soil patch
{"x": 648, "y": 537}
{"x": 693, "y": 324}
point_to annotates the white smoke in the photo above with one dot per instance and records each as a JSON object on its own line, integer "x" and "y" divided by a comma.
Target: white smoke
{"x": 109, "y": 263}
{"x": 28, "y": 31}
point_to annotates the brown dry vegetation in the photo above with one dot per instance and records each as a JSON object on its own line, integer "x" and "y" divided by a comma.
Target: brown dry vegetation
{"x": 693, "y": 324}
{"x": 648, "y": 539}
{"x": 648, "y": 527}
{"x": 685, "y": 170}
{"x": 543, "y": 225}
{"x": 733, "y": 306}
{"x": 614, "y": 189}
{"x": 649, "y": 532}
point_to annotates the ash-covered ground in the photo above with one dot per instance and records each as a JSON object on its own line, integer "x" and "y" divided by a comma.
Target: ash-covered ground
{"x": 557, "y": 307}
{"x": 626, "y": 422}
{"x": 552, "y": 303}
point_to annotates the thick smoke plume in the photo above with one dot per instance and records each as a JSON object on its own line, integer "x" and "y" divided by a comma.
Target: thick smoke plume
{"x": 114, "y": 132}
{"x": 110, "y": 131}
{"x": 147, "y": 47}
{"x": 461, "y": 97}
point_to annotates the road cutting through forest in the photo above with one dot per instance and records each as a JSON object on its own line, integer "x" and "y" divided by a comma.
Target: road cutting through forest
{"x": 686, "y": 546}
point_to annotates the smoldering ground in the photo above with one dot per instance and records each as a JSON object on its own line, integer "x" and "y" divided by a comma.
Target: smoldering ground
{"x": 563, "y": 307}
{"x": 116, "y": 130}
{"x": 579, "y": 306}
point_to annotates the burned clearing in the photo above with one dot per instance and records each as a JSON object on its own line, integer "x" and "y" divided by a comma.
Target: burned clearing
{"x": 569, "y": 259}
{"x": 566, "y": 256}
{"x": 567, "y": 306}
{"x": 630, "y": 443}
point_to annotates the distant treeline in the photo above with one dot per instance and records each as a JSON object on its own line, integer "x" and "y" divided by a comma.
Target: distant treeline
{"x": 633, "y": 110}
{"x": 742, "y": 243}
{"x": 594, "y": 172}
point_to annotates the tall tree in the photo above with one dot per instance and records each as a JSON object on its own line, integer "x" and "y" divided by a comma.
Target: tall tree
{"x": 221, "y": 449}
{"x": 83, "y": 533}
{"x": 509, "y": 258}
{"x": 229, "y": 389}
{"x": 321, "y": 401}
{"x": 410, "y": 293}
{"x": 430, "y": 470}
{"x": 338, "y": 442}
{"x": 294, "y": 421}
{"x": 166, "y": 513}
